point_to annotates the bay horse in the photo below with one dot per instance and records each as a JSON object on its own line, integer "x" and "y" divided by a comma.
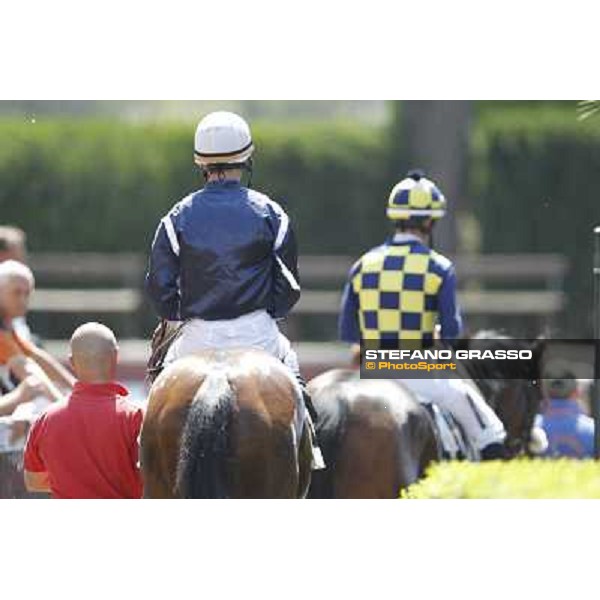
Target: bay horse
{"x": 375, "y": 437}
{"x": 224, "y": 424}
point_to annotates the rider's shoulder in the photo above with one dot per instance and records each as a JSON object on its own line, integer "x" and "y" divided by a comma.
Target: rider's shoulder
{"x": 262, "y": 199}
{"x": 441, "y": 261}
{"x": 264, "y": 202}
{"x": 370, "y": 256}
{"x": 184, "y": 203}
{"x": 375, "y": 251}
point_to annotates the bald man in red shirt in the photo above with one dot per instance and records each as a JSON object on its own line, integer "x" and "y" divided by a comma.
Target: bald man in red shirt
{"x": 87, "y": 446}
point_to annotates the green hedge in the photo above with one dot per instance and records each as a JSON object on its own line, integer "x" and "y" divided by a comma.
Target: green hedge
{"x": 102, "y": 186}
{"x": 79, "y": 184}
{"x": 524, "y": 478}
{"x": 536, "y": 188}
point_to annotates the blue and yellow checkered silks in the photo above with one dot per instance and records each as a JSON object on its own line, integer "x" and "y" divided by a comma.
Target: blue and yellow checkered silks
{"x": 397, "y": 286}
{"x": 416, "y": 197}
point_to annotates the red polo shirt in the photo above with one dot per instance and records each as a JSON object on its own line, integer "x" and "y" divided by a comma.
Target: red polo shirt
{"x": 88, "y": 444}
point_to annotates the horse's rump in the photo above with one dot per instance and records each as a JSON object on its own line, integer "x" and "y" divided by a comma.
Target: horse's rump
{"x": 220, "y": 424}
{"x": 375, "y": 437}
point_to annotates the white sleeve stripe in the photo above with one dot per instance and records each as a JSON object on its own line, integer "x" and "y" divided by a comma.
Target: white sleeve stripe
{"x": 287, "y": 274}
{"x": 168, "y": 225}
{"x": 283, "y": 229}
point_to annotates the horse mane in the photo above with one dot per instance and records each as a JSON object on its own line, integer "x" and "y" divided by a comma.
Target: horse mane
{"x": 206, "y": 440}
{"x": 483, "y": 372}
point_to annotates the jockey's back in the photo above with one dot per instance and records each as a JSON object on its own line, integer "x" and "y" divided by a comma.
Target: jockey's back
{"x": 224, "y": 259}
{"x": 399, "y": 291}
{"x": 215, "y": 254}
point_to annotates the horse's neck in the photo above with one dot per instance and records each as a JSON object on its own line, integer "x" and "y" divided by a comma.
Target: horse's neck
{"x": 482, "y": 385}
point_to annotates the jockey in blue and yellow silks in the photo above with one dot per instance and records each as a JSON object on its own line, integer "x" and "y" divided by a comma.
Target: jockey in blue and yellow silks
{"x": 401, "y": 290}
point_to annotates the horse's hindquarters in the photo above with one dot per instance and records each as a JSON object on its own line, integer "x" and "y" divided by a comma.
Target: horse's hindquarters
{"x": 376, "y": 438}
{"x": 220, "y": 424}
{"x": 367, "y": 464}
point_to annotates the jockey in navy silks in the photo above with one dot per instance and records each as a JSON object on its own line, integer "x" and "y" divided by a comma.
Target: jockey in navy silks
{"x": 224, "y": 258}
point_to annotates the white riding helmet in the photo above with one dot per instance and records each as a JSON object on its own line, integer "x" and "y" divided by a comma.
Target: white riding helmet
{"x": 222, "y": 138}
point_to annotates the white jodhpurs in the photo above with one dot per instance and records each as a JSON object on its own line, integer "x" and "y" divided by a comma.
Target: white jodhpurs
{"x": 465, "y": 404}
{"x": 254, "y": 330}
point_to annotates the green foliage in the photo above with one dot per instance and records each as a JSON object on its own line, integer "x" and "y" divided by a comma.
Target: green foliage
{"x": 536, "y": 188}
{"x": 588, "y": 108}
{"x": 524, "y": 478}
{"x": 85, "y": 185}
{"x": 331, "y": 180}
{"x": 103, "y": 186}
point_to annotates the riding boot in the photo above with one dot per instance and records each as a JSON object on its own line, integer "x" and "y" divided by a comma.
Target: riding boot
{"x": 311, "y": 418}
{"x": 310, "y": 407}
{"x": 495, "y": 451}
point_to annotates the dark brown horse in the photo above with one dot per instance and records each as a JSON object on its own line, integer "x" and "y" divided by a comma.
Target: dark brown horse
{"x": 515, "y": 395}
{"x": 375, "y": 437}
{"x": 220, "y": 424}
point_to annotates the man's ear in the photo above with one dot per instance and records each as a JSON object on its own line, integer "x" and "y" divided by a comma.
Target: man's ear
{"x": 114, "y": 362}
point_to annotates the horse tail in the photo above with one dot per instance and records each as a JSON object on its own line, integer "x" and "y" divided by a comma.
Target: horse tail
{"x": 202, "y": 470}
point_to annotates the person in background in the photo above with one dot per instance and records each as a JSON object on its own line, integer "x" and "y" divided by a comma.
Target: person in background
{"x": 12, "y": 244}
{"x": 13, "y": 247}
{"x": 569, "y": 430}
{"x": 16, "y": 285}
{"x": 87, "y": 446}
{"x": 30, "y": 378}
{"x": 20, "y": 404}
{"x": 26, "y": 391}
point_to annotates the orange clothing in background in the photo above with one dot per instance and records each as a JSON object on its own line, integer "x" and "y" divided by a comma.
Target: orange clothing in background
{"x": 12, "y": 345}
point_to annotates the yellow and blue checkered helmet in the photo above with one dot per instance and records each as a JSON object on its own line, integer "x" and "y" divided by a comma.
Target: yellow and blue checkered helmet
{"x": 416, "y": 196}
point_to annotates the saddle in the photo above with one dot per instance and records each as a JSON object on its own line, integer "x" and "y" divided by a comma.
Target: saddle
{"x": 165, "y": 333}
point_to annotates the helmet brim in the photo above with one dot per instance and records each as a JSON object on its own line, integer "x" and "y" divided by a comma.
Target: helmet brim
{"x": 239, "y": 156}
{"x": 400, "y": 214}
